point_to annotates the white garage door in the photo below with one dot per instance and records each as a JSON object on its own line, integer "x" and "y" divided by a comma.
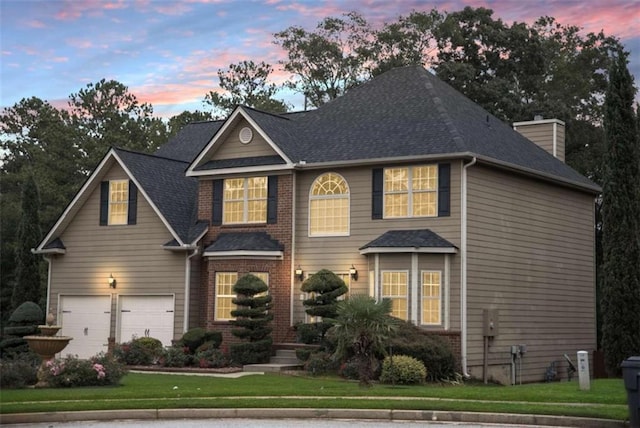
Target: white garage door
{"x": 146, "y": 316}
{"x": 87, "y": 320}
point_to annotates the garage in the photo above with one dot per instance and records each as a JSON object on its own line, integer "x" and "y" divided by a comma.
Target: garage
{"x": 87, "y": 320}
{"x": 146, "y": 316}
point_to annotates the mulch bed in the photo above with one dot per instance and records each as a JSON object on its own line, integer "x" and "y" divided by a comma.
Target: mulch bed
{"x": 222, "y": 370}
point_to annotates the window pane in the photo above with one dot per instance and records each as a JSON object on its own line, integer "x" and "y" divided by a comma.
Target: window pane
{"x": 425, "y": 178}
{"x": 118, "y": 201}
{"x": 424, "y": 204}
{"x": 224, "y": 295}
{"x": 257, "y": 211}
{"x": 394, "y": 287}
{"x": 396, "y": 179}
{"x": 245, "y": 200}
{"x": 329, "y": 206}
{"x": 396, "y": 205}
{"x": 431, "y": 298}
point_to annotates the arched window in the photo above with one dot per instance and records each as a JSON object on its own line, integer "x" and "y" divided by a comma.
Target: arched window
{"x": 329, "y": 206}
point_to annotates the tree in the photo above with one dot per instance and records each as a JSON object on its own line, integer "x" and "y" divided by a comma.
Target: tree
{"x": 252, "y": 321}
{"x": 246, "y": 84}
{"x": 621, "y": 228}
{"x": 408, "y": 41}
{"x": 27, "y": 286}
{"x": 325, "y": 288}
{"x": 362, "y": 329}
{"x": 176, "y": 123}
{"x": 327, "y": 62}
{"x": 107, "y": 115}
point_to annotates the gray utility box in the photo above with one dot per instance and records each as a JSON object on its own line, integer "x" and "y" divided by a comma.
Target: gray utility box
{"x": 631, "y": 376}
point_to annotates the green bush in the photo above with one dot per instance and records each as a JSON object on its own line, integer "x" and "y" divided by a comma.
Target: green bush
{"x": 251, "y": 352}
{"x": 211, "y": 358}
{"x": 402, "y": 370}
{"x": 19, "y": 371}
{"x": 433, "y": 350}
{"x": 196, "y": 337}
{"x": 176, "y": 356}
{"x": 303, "y": 354}
{"x": 142, "y": 351}
{"x": 27, "y": 313}
{"x": 349, "y": 370}
{"x": 101, "y": 370}
{"x": 309, "y": 333}
{"x": 320, "y": 363}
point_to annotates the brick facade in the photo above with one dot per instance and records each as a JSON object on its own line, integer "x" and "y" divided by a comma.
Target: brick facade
{"x": 280, "y": 275}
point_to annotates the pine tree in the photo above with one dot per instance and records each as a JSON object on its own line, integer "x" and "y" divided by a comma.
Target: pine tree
{"x": 621, "y": 228}
{"x": 27, "y": 274}
{"x": 252, "y": 321}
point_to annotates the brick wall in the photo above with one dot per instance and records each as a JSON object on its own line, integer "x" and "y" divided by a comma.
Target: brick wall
{"x": 280, "y": 275}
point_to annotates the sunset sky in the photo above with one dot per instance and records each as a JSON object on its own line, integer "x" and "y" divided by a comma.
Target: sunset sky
{"x": 168, "y": 52}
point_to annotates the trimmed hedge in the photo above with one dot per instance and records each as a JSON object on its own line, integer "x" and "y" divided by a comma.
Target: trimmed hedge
{"x": 402, "y": 370}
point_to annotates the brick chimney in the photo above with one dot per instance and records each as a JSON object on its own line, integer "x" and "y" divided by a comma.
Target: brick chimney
{"x": 547, "y": 133}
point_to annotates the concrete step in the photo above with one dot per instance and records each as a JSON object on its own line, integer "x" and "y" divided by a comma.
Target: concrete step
{"x": 270, "y": 367}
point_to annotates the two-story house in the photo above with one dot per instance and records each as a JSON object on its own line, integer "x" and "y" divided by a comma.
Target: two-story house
{"x": 403, "y": 186}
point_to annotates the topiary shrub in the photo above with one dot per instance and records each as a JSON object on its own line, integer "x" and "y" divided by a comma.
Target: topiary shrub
{"x": 433, "y": 350}
{"x": 308, "y": 333}
{"x": 27, "y": 313}
{"x": 402, "y": 370}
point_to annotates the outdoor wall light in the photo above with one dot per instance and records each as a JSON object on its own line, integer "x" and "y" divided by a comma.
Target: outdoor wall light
{"x": 299, "y": 273}
{"x": 112, "y": 281}
{"x": 353, "y": 272}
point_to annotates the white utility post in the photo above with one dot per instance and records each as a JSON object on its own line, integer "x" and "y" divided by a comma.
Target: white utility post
{"x": 583, "y": 370}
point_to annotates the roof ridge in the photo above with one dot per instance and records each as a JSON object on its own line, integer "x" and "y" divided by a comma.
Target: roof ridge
{"x": 442, "y": 111}
{"x": 149, "y": 155}
{"x": 278, "y": 115}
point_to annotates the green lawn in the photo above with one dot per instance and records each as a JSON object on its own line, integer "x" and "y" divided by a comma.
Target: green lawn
{"x": 606, "y": 399}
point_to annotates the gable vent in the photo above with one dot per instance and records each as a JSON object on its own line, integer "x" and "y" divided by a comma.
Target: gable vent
{"x": 246, "y": 134}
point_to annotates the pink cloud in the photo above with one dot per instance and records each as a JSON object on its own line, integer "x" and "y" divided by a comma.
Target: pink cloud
{"x": 36, "y": 23}
{"x": 72, "y": 10}
{"x": 79, "y": 43}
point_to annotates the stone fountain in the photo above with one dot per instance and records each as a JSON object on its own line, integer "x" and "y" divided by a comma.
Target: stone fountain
{"x": 47, "y": 345}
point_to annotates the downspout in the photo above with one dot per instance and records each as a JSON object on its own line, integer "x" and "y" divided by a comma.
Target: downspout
{"x": 293, "y": 243}
{"x": 48, "y": 260}
{"x": 463, "y": 269}
{"x": 187, "y": 290}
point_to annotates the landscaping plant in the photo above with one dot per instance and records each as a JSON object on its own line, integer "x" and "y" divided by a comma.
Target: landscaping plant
{"x": 325, "y": 287}
{"x": 402, "y": 370}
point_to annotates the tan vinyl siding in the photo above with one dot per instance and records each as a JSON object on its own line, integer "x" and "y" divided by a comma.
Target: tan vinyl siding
{"x": 531, "y": 256}
{"x": 542, "y": 133}
{"x": 232, "y": 148}
{"x": 339, "y": 253}
{"x": 132, "y": 253}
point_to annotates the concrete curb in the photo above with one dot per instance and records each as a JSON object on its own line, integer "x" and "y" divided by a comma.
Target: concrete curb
{"x": 258, "y": 413}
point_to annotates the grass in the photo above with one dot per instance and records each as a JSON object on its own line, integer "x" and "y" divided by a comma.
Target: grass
{"x": 606, "y": 399}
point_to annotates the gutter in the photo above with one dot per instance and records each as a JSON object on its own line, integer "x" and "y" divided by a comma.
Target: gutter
{"x": 187, "y": 289}
{"x": 463, "y": 268}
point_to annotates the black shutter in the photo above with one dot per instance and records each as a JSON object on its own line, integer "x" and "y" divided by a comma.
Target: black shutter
{"x": 444, "y": 190}
{"x": 272, "y": 199}
{"x": 377, "y": 184}
{"x": 132, "y": 215}
{"x": 216, "y": 209}
{"x": 104, "y": 203}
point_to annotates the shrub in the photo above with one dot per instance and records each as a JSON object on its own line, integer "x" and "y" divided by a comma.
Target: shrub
{"x": 142, "y": 351}
{"x": 19, "y": 371}
{"x": 434, "y": 351}
{"x": 309, "y": 333}
{"x": 319, "y": 363}
{"x": 69, "y": 372}
{"x": 198, "y": 336}
{"x": 402, "y": 370}
{"x": 211, "y": 358}
{"x": 27, "y": 313}
{"x": 251, "y": 352}
{"x": 349, "y": 370}
{"x": 176, "y": 356}
{"x": 303, "y": 354}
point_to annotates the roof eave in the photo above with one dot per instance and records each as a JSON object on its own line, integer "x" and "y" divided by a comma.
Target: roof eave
{"x": 426, "y": 250}
{"x": 49, "y": 251}
{"x": 246, "y": 254}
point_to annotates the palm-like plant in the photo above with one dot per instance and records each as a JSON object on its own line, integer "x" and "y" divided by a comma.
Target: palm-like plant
{"x": 362, "y": 329}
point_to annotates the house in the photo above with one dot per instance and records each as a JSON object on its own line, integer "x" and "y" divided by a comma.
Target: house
{"x": 403, "y": 186}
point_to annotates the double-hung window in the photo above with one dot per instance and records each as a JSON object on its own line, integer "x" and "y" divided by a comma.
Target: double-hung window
{"x": 411, "y": 191}
{"x": 245, "y": 200}
{"x": 431, "y": 298}
{"x": 118, "y": 201}
{"x": 225, "y": 295}
{"x": 394, "y": 288}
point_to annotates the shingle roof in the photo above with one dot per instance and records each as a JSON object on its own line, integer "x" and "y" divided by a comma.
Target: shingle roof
{"x": 422, "y": 238}
{"x": 164, "y": 181}
{"x": 189, "y": 141}
{"x": 244, "y": 241}
{"x": 241, "y": 162}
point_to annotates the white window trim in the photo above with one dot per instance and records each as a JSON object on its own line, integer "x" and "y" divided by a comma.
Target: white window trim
{"x": 440, "y": 298}
{"x": 346, "y": 196}
{"x": 410, "y": 192}
{"x": 125, "y": 202}
{"x": 245, "y": 201}
{"x": 215, "y": 311}
{"x": 408, "y": 285}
